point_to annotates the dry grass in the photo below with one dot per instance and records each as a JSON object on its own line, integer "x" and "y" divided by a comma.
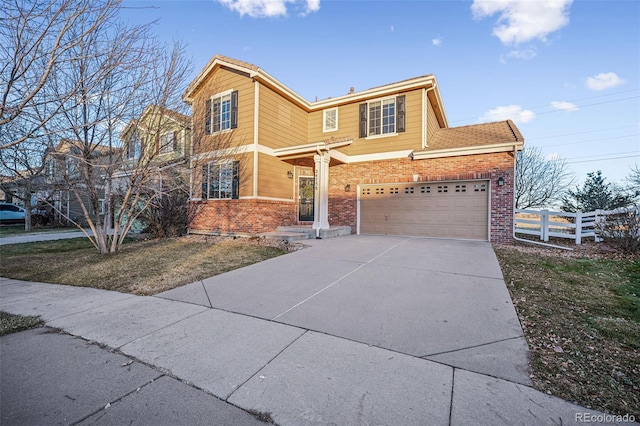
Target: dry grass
{"x": 142, "y": 267}
{"x": 10, "y": 323}
{"x": 580, "y": 312}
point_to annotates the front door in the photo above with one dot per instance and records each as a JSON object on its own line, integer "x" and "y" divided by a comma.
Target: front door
{"x": 305, "y": 196}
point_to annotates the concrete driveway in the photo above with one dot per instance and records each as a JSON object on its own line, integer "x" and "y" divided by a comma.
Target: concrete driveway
{"x": 353, "y": 330}
{"x": 442, "y": 300}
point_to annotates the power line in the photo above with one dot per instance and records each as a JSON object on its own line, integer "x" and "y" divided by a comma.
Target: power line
{"x": 602, "y": 159}
{"x": 592, "y": 140}
{"x": 574, "y": 100}
{"x": 587, "y": 131}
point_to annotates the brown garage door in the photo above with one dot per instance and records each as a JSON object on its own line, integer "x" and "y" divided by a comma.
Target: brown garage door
{"x": 456, "y": 209}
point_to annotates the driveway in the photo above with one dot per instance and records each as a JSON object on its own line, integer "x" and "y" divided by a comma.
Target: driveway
{"x": 443, "y": 300}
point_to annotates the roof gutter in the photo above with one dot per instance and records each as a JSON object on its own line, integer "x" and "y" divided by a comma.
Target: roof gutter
{"x": 454, "y": 152}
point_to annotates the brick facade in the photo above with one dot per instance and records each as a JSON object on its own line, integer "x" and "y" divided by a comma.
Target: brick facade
{"x": 343, "y": 204}
{"x": 253, "y": 216}
{"x": 241, "y": 217}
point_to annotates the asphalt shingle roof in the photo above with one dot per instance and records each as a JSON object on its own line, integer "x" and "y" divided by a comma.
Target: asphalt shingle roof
{"x": 475, "y": 135}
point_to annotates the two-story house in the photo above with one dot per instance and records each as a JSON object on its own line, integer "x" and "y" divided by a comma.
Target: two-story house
{"x": 71, "y": 188}
{"x": 380, "y": 161}
{"x": 156, "y": 145}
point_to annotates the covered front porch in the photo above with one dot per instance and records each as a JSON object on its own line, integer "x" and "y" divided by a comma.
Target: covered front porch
{"x": 318, "y": 157}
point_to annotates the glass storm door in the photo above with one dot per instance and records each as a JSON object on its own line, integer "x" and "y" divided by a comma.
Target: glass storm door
{"x": 305, "y": 197}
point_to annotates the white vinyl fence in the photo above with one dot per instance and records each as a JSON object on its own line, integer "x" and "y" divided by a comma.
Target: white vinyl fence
{"x": 546, "y": 223}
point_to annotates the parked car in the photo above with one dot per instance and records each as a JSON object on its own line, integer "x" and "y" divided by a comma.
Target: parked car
{"x": 10, "y": 213}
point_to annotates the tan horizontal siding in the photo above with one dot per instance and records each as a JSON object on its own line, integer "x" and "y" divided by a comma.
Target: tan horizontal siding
{"x": 407, "y": 140}
{"x": 221, "y": 81}
{"x": 272, "y": 177}
{"x": 246, "y": 174}
{"x": 281, "y": 123}
{"x": 347, "y": 124}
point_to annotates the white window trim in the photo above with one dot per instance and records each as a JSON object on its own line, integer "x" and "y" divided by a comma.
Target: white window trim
{"x": 220, "y": 95}
{"x": 219, "y": 163}
{"x": 161, "y": 143}
{"x": 395, "y": 124}
{"x": 324, "y": 120}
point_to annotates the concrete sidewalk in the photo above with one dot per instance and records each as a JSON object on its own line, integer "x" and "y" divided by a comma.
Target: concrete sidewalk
{"x": 41, "y": 236}
{"x": 303, "y": 366}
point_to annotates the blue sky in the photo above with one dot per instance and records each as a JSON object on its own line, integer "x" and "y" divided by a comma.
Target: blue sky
{"x": 567, "y": 72}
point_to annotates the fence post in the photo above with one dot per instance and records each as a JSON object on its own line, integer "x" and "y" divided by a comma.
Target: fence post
{"x": 578, "y": 227}
{"x": 597, "y": 224}
{"x": 544, "y": 224}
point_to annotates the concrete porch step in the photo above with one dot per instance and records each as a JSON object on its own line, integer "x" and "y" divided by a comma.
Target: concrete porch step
{"x": 298, "y": 230}
{"x": 286, "y": 236}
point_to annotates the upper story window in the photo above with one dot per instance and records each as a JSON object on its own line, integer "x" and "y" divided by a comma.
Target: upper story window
{"x": 381, "y": 117}
{"x": 134, "y": 148}
{"x": 50, "y": 167}
{"x": 168, "y": 143}
{"x": 330, "y": 120}
{"x": 221, "y": 112}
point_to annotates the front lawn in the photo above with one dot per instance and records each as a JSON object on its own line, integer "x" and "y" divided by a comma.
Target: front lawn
{"x": 581, "y": 318}
{"x": 142, "y": 267}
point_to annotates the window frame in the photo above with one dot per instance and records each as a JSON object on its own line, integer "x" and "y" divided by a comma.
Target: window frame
{"x": 134, "y": 148}
{"x": 325, "y": 128}
{"x": 381, "y": 118}
{"x": 227, "y": 169}
{"x": 216, "y": 108}
{"x": 377, "y": 105}
{"x": 168, "y": 139}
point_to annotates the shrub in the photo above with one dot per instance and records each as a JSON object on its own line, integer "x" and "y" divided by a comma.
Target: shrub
{"x": 621, "y": 229}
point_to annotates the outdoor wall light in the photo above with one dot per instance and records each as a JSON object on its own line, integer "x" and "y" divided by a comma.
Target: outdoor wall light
{"x": 289, "y": 174}
{"x": 500, "y": 181}
{"x": 347, "y": 187}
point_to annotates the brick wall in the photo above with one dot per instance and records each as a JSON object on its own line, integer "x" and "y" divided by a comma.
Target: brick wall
{"x": 241, "y": 216}
{"x": 342, "y": 204}
{"x": 255, "y": 216}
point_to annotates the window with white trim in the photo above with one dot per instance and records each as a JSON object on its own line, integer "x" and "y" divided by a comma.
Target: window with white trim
{"x": 220, "y": 180}
{"x": 330, "y": 120}
{"x": 385, "y": 116}
{"x": 221, "y": 112}
{"x": 168, "y": 143}
{"x": 134, "y": 148}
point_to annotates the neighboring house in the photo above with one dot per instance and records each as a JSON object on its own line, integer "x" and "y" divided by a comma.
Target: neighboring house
{"x": 68, "y": 184}
{"x": 157, "y": 147}
{"x": 162, "y": 135}
{"x": 380, "y": 161}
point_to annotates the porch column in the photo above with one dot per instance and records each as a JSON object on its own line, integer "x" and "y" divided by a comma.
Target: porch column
{"x": 321, "y": 201}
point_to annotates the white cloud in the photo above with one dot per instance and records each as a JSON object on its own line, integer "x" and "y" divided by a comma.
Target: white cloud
{"x": 521, "y": 21}
{"x": 564, "y": 106}
{"x": 437, "y": 41}
{"x": 392, "y": 28}
{"x": 269, "y": 8}
{"x": 509, "y": 112}
{"x": 524, "y": 54}
{"x": 604, "y": 81}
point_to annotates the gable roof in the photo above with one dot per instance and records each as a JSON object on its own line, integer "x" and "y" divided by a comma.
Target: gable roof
{"x": 181, "y": 119}
{"x": 427, "y": 81}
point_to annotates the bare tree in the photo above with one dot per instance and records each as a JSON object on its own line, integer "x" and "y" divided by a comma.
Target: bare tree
{"x": 116, "y": 71}
{"x": 36, "y": 38}
{"x": 539, "y": 182}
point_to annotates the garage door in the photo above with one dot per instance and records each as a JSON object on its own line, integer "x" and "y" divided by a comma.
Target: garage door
{"x": 456, "y": 209}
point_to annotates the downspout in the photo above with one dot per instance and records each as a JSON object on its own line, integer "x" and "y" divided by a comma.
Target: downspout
{"x": 256, "y": 128}
{"x": 513, "y": 225}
